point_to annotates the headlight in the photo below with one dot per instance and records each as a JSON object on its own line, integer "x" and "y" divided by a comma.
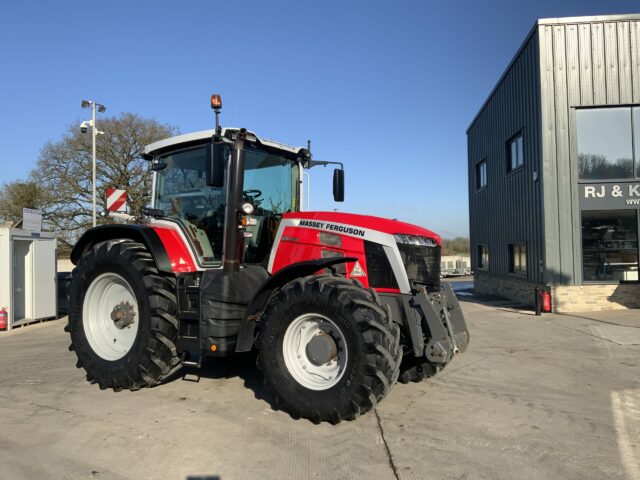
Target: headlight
{"x": 415, "y": 240}
{"x": 247, "y": 208}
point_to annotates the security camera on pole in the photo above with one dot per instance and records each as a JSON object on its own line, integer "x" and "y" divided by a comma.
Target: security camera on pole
{"x": 84, "y": 126}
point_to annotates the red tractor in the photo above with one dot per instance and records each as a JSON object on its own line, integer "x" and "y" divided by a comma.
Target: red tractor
{"x": 338, "y": 306}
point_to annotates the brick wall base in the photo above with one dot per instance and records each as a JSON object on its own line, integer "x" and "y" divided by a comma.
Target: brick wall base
{"x": 513, "y": 289}
{"x": 565, "y": 299}
{"x": 585, "y": 298}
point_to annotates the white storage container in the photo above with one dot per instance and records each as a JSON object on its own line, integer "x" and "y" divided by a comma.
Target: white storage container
{"x": 27, "y": 275}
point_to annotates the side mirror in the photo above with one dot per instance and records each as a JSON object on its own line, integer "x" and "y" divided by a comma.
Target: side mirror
{"x": 215, "y": 170}
{"x": 338, "y": 185}
{"x": 158, "y": 166}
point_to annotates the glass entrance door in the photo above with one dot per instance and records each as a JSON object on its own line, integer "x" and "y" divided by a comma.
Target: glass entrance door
{"x": 610, "y": 245}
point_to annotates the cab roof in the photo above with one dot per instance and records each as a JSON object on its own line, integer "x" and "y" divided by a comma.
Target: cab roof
{"x": 194, "y": 137}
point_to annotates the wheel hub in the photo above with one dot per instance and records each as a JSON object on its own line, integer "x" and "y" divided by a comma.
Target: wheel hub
{"x": 315, "y": 351}
{"x": 109, "y": 316}
{"x": 123, "y": 315}
{"x": 322, "y": 349}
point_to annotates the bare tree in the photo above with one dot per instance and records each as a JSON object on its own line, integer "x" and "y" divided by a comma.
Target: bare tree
{"x": 599, "y": 167}
{"x": 64, "y": 170}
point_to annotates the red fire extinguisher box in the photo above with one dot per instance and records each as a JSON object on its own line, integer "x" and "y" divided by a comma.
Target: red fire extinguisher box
{"x": 4, "y": 319}
{"x": 542, "y": 300}
{"x": 545, "y": 300}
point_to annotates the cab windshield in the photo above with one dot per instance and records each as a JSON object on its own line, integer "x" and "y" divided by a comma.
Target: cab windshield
{"x": 270, "y": 184}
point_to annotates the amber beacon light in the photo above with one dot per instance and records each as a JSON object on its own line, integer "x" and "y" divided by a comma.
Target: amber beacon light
{"x": 216, "y": 101}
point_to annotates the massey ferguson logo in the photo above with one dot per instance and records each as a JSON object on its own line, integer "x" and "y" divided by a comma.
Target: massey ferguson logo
{"x": 333, "y": 227}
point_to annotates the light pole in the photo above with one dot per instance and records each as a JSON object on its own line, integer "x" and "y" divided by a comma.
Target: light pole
{"x": 94, "y": 132}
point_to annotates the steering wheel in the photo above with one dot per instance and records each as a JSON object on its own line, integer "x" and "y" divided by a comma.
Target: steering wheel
{"x": 252, "y": 195}
{"x": 174, "y": 208}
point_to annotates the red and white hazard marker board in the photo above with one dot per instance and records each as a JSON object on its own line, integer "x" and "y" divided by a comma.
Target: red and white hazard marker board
{"x": 116, "y": 200}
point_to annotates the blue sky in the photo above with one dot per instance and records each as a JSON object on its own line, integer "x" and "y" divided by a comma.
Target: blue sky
{"x": 389, "y": 88}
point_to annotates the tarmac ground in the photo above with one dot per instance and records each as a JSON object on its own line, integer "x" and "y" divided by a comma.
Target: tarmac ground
{"x": 551, "y": 397}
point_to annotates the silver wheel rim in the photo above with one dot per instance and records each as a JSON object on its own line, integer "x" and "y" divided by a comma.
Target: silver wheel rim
{"x": 106, "y": 338}
{"x": 295, "y": 351}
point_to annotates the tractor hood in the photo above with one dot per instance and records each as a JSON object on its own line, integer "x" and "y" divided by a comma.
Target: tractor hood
{"x": 384, "y": 225}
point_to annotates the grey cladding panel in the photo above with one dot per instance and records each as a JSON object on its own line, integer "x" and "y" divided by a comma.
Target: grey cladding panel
{"x": 624, "y": 56}
{"x": 573, "y": 65}
{"x": 611, "y": 61}
{"x": 550, "y": 182}
{"x": 563, "y": 169}
{"x": 585, "y": 74}
{"x": 508, "y": 210}
{"x": 635, "y": 60}
{"x": 597, "y": 60}
{"x": 571, "y": 257}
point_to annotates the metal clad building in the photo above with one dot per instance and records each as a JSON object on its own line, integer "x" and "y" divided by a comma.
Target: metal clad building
{"x": 546, "y": 154}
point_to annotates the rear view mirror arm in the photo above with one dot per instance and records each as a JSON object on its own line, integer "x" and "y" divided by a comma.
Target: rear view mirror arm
{"x": 324, "y": 163}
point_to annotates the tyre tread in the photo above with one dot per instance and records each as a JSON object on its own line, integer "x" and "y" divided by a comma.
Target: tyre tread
{"x": 159, "y": 358}
{"x": 380, "y": 335}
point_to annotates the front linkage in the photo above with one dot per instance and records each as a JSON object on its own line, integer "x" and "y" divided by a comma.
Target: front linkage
{"x": 446, "y": 325}
{"x": 434, "y": 330}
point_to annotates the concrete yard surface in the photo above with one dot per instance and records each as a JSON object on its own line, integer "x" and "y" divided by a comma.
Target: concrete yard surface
{"x": 551, "y": 397}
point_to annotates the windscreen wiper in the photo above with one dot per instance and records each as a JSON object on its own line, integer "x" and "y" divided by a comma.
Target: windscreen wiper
{"x": 153, "y": 212}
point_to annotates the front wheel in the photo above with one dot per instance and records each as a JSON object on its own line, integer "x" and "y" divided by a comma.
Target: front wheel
{"x": 328, "y": 349}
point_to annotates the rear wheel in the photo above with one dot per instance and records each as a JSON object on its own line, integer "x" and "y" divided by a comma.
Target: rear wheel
{"x": 122, "y": 317}
{"x": 328, "y": 349}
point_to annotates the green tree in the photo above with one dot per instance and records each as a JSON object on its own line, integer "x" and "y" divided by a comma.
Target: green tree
{"x": 14, "y": 196}
{"x": 65, "y": 169}
{"x": 455, "y": 246}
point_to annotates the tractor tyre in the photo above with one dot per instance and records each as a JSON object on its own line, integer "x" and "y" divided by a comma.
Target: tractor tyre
{"x": 415, "y": 370}
{"x": 122, "y": 317}
{"x": 328, "y": 349}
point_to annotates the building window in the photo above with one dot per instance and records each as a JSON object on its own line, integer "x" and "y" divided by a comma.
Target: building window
{"x": 605, "y": 143}
{"x": 609, "y": 245}
{"x": 515, "y": 152}
{"x": 483, "y": 257}
{"x": 518, "y": 258}
{"x": 481, "y": 174}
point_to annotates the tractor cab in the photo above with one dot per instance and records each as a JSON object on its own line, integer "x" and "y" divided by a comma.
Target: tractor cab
{"x": 186, "y": 190}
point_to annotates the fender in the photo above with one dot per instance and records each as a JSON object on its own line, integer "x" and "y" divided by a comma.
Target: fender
{"x": 246, "y": 335}
{"x": 138, "y": 233}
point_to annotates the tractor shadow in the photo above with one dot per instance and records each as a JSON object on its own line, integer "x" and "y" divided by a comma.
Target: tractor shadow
{"x": 242, "y": 365}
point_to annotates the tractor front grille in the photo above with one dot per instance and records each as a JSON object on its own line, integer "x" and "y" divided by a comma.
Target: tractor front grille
{"x": 422, "y": 263}
{"x": 378, "y": 266}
